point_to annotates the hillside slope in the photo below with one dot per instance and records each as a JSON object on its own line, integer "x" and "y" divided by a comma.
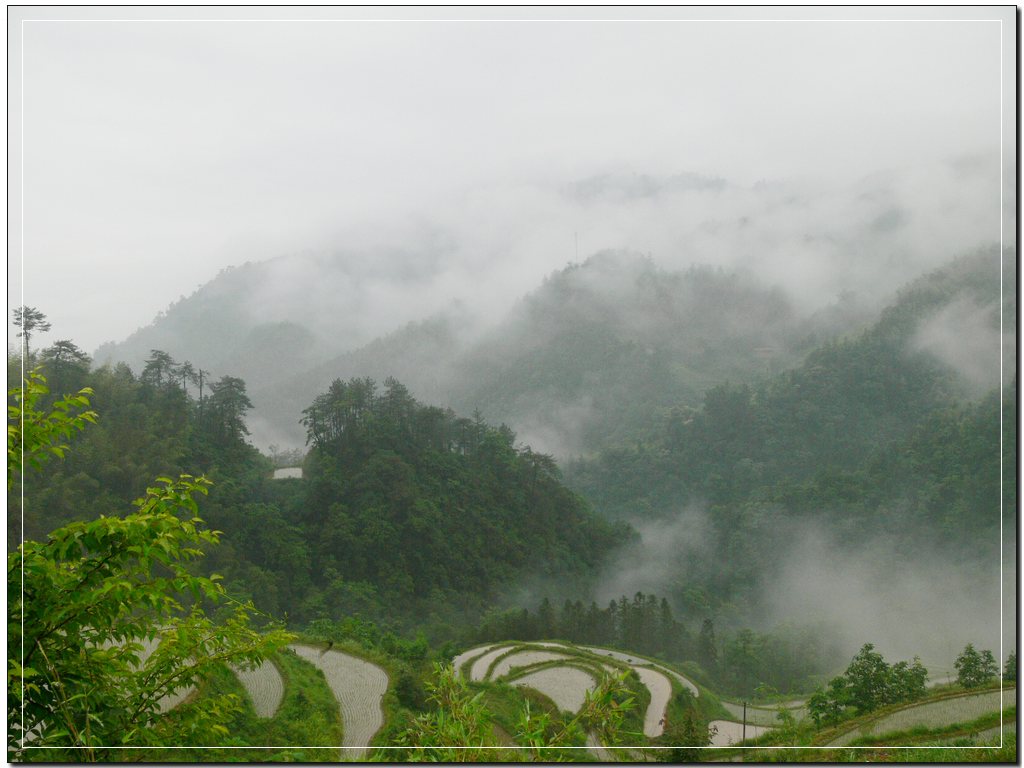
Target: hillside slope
{"x": 590, "y": 358}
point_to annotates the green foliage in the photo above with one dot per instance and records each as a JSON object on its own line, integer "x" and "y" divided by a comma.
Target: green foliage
{"x": 460, "y": 728}
{"x": 91, "y": 595}
{"x": 974, "y": 668}
{"x": 146, "y": 431}
{"x": 414, "y": 508}
{"x": 868, "y": 683}
{"x": 82, "y": 604}
{"x": 38, "y": 435}
{"x": 369, "y": 635}
{"x": 869, "y": 436}
{"x": 643, "y": 624}
{"x": 707, "y": 649}
{"x": 1010, "y": 670}
{"x": 305, "y": 728}
{"x": 30, "y": 320}
{"x": 685, "y": 737}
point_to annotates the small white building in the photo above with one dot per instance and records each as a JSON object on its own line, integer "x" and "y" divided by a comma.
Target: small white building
{"x": 288, "y": 472}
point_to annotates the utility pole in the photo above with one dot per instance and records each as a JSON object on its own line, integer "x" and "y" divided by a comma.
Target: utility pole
{"x": 744, "y": 722}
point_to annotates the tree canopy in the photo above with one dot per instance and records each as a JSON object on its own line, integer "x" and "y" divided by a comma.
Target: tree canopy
{"x": 84, "y": 605}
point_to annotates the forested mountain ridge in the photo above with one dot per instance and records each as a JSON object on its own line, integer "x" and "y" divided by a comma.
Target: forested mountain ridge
{"x": 876, "y": 436}
{"x": 297, "y": 309}
{"x": 421, "y": 503}
{"x": 420, "y": 355}
{"x": 222, "y": 328}
{"x": 589, "y": 358}
{"x": 409, "y": 514}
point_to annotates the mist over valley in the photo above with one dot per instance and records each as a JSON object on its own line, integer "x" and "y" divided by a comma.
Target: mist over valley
{"x": 550, "y": 389}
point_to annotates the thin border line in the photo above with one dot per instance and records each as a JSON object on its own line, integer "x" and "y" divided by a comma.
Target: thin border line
{"x": 1002, "y": 66}
{"x": 494, "y": 19}
{"x": 22, "y": 383}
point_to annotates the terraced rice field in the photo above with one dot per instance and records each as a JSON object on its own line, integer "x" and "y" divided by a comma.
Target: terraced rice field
{"x": 630, "y": 659}
{"x": 765, "y": 715}
{"x": 661, "y": 692}
{"x": 359, "y": 687}
{"x": 994, "y": 733}
{"x": 566, "y": 686}
{"x": 478, "y": 672}
{"x": 523, "y": 659}
{"x": 472, "y": 653}
{"x": 264, "y": 685}
{"x": 936, "y": 714}
{"x": 173, "y": 699}
{"x": 732, "y": 733}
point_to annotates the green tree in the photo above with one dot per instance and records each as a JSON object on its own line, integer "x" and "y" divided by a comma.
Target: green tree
{"x": 228, "y": 404}
{"x": 82, "y": 604}
{"x": 188, "y": 372}
{"x": 30, "y": 320}
{"x": 546, "y": 619}
{"x": 867, "y": 679}
{"x": 686, "y": 737}
{"x": 159, "y": 369}
{"x": 65, "y": 364}
{"x": 974, "y": 668}
{"x": 1010, "y": 670}
{"x": 906, "y": 681}
{"x": 34, "y": 435}
{"x": 827, "y": 706}
{"x": 460, "y": 728}
{"x": 707, "y": 649}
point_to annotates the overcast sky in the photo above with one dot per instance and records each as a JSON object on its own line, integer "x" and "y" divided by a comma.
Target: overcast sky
{"x": 158, "y": 152}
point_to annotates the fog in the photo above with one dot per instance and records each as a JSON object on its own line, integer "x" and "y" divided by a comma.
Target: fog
{"x": 460, "y": 157}
{"x": 965, "y": 336}
{"x": 922, "y": 602}
{"x": 379, "y": 172}
{"x": 916, "y": 601}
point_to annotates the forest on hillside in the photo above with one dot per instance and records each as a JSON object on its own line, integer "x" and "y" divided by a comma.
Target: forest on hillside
{"x": 414, "y": 530}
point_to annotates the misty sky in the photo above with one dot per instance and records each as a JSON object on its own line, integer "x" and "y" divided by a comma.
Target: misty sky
{"x": 158, "y": 152}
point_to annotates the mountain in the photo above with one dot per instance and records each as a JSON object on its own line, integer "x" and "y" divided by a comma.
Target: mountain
{"x": 873, "y": 464}
{"x": 588, "y": 359}
{"x": 405, "y": 511}
{"x": 292, "y": 311}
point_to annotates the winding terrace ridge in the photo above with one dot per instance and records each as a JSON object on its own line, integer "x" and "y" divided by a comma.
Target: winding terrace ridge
{"x": 478, "y": 672}
{"x": 633, "y": 659}
{"x": 933, "y": 714}
{"x": 472, "y": 653}
{"x": 524, "y": 658}
{"x": 566, "y": 686}
{"x": 359, "y": 687}
{"x": 264, "y": 685}
{"x": 661, "y": 692}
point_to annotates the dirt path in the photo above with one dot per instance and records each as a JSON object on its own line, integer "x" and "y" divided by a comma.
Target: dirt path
{"x": 359, "y": 687}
